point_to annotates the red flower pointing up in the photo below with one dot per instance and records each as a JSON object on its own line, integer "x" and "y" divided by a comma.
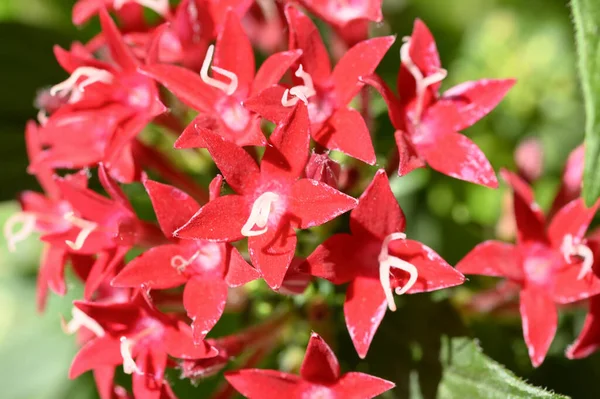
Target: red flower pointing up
{"x": 271, "y": 200}
{"x": 551, "y": 265}
{"x": 319, "y": 378}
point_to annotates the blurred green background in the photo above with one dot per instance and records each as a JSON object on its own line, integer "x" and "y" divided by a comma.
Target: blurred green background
{"x": 530, "y": 40}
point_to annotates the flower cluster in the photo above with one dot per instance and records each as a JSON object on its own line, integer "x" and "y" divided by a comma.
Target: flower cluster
{"x": 269, "y": 131}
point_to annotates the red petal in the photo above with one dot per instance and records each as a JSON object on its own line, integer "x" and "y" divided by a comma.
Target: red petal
{"x": 204, "y": 301}
{"x": 104, "y": 376}
{"x": 153, "y": 269}
{"x": 272, "y": 253}
{"x": 361, "y": 385}
{"x": 219, "y": 220}
{"x": 456, "y": 155}
{"x": 492, "y": 258}
{"x": 99, "y": 352}
{"x": 320, "y": 365}
{"x": 364, "y": 309}
{"x": 104, "y": 267}
{"x": 572, "y": 219}
{"x": 572, "y": 177}
{"x": 53, "y": 265}
{"x": 313, "y": 203}
{"x": 361, "y": 60}
{"x": 83, "y": 10}
{"x": 434, "y": 272}
{"x": 239, "y": 272}
{"x": 288, "y": 154}
{"x": 172, "y": 206}
{"x": 377, "y": 213}
{"x": 119, "y": 50}
{"x": 588, "y": 340}
{"x": 539, "y": 317}
{"x": 215, "y": 186}
{"x": 237, "y": 166}
{"x": 474, "y": 100}
{"x": 179, "y": 344}
{"x": 346, "y": 131}
{"x": 409, "y": 158}
{"x": 263, "y": 384}
{"x": 233, "y": 52}
{"x": 267, "y": 104}
{"x": 569, "y": 288}
{"x": 112, "y": 188}
{"x": 148, "y": 384}
{"x": 394, "y": 112}
{"x": 273, "y": 69}
{"x": 338, "y": 259}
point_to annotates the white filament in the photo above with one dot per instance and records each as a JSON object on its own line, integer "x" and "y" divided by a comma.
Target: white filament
{"x": 161, "y": 7}
{"x": 92, "y": 75}
{"x": 27, "y": 221}
{"x": 86, "y": 227}
{"x": 259, "y": 215}
{"x": 42, "y": 117}
{"x": 80, "y": 319}
{"x": 228, "y": 88}
{"x": 386, "y": 261}
{"x": 574, "y": 247}
{"x": 129, "y": 365}
{"x": 302, "y": 92}
{"x": 421, "y": 82}
{"x": 180, "y": 263}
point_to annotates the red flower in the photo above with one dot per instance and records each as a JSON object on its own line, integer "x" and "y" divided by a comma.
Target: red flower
{"x": 206, "y": 268}
{"x": 375, "y": 259}
{"x": 588, "y": 341}
{"x": 270, "y": 201}
{"x": 327, "y": 93}
{"x": 427, "y": 125}
{"x": 319, "y": 377}
{"x": 551, "y": 265}
{"x": 219, "y": 100}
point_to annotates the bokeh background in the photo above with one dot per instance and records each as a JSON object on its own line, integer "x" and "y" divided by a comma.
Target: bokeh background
{"x": 530, "y": 40}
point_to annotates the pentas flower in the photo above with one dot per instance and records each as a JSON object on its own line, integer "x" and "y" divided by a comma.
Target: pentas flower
{"x": 427, "y": 124}
{"x": 588, "y": 340}
{"x": 264, "y": 23}
{"x": 219, "y": 98}
{"x": 377, "y": 259}
{"x": 129, "y": 12}
{"x": 206, "y": 268}
{"x": 324, "y": 169}
{"x": 138, "y": 337}
{"x": 270, "y": 201}
{"x": 107, "y": 106}
{"x": 319, "y": 377}
{"x": 326, "y": 93}
{"x": 552, "y": 265}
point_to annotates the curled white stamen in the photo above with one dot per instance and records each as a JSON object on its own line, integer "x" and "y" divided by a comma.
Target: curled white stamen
{"x": 386, "y": 261}
{"x": 42, "y": 117}
{"x": 421, "y": 82}
{"x": 574, "y": 247}
{"x": 180, "y": 263}
{"x": 129, "y": 365}
{"x": 229, "y": 88}
{"x": 161, "y": 7}
{"x": 259, "y": 215}
{"x": 92, "y": 75}
{"x": 27, "y": 221}
{"x": 80, "y": 319}
{"x": 86, "y": 227}
{"x": 302, "y": 92}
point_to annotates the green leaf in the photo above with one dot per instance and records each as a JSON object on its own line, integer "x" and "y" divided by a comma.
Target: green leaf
{"x": 586, "y": 16}
{"x": 468, "y": 373}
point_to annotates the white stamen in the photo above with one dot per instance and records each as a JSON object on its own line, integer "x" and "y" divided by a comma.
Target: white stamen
{"x": 180, "y": 263}
{"x": 161, "y": 7}
{"x": 229, "y": 88}
{"x": 302, "y": 92}
{"x": 574, "y": 247}
{"x": 42, "y": 117}
{"x": 86, "y": 227}
{"x": 92, "y": 75}
{"x": 27, "y": 221}
{"x": 386, "y": 261}
{"x": 129, "y": 365}
{"x": 421, "y": 82}
{"x": 80, "y": 319}
{"x": 259, "y": 215}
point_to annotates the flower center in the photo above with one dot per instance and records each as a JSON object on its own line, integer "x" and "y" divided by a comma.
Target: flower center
{"x": 235, "y": 116}
{"x": 27, "y": 224}
{"x": 302, "y": 92}
{"x": 80, "y": 319}
{"x": 74, "y": 88}
{"x": 421, "y": 82}
{"x": 86, "y": 227}
{"x": 161, "y": 7}
{"x": 259, "y": 215}
{"x": 387, "y": 261}
{"x": 227, "y": 88}
{"x": 572, "y": 246}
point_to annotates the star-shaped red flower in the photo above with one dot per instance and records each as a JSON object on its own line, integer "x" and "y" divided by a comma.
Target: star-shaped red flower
{"x": 319, "y": 377}
{"x": 375, "y": 259}
{"x": 271, "y": 201}
{"x": 427, "y": 124}
{"x": 552, "y": 265}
